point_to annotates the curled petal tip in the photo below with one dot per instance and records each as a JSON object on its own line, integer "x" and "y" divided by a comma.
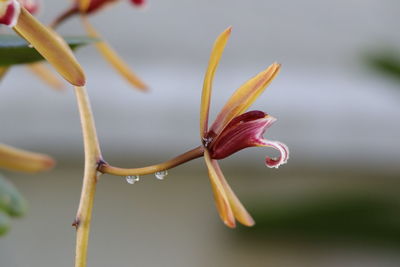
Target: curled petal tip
{"x": 282, "y": 159}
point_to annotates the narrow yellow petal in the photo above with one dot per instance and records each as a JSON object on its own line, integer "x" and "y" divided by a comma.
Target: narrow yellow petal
{"x": 244, "y": 97}
{"x": 112, "y": 57}
{"x": 216, "y": 53}
{"x": 3, "y": 71}
{"x": 51, "y": 47}
{"x": 221, "y": 198}
{"x": 83, "y": 5}
{"x": 20, "y": 160}
{"x": 46, "y": 75}
{"x": 239, "y": 210}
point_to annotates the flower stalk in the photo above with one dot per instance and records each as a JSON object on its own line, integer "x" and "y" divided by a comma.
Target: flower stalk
{"x": 183, "y": 158}
{"x": 92, "y": 159}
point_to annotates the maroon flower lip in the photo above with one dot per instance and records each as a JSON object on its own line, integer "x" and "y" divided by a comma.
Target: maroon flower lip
{"x": 244, "y": 131}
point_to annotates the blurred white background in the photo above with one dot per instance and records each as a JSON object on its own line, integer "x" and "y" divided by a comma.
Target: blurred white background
{"x": 333, "y": 113}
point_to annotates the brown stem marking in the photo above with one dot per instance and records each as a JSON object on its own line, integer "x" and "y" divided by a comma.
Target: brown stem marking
{"x": 92, "y": 159}
{"x": 185, "y": 157}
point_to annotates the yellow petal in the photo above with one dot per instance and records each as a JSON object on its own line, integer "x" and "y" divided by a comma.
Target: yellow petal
{"x": 239, "y": 210}
{"x": 221, "y": 198}
{"x": 244, "y": 97}
{"x": 112, "y": 57}
{"x": 3, "y": 71}
{"x": 83, "y": 5}
{"x": 25, "y": 161}
{"x": 46, "y": 75}
{"x": 51, "y": 47}
{"x": 216, "y": 53}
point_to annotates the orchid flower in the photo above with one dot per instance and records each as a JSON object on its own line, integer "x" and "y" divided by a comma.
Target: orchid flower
{"x": 88, "y": 7}
{"x": 48, "y": 43}
{"x": 233, "y": 130}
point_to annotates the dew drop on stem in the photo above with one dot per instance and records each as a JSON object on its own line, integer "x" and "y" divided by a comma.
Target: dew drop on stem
{"x": 132, "y": 179}
{"x": 161, "y": 174}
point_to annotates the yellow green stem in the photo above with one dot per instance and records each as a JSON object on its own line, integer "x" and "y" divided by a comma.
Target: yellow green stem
{"x": 185, "y": 157}
{"x": 92, "y": 159}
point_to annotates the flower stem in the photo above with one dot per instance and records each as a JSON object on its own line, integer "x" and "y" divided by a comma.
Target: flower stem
{"x": 185, "y": 157}
{"x": 92, "y": 159}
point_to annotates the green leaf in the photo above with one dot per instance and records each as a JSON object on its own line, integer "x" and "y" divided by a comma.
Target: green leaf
{"x": 356, "y": 217}
{"x": 11, "y": 201}
{"x": 385, "y": 61}
{"x": 4, "y": 223}
{"x": 15, "y": 50}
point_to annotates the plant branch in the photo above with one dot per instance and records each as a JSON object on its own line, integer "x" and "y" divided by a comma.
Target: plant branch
{"x": 92, "y": 159}
{"x": 185, "y": 157}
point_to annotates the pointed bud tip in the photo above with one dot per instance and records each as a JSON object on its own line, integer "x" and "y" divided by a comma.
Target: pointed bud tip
{"x": 144, "y": 88}
{"x": 79, "y": 81}
{"x": 48, "y": 163}
{"x": 228, "y": 30}
{"x": 249, "y": 223}
{"x": 230, "y": 224}
{"x": 277, "y": 66}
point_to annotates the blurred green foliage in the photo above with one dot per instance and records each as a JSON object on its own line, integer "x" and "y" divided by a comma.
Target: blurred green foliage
{"x": 12, "y": 204}
{"x": 365, "y": 218}
{"x": 387, "y": 62}
{"x": 15, "y": 50}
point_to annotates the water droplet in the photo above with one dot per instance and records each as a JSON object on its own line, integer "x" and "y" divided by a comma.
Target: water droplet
{"x": 132, "y": 179}
{"x": 161, "y": 174}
